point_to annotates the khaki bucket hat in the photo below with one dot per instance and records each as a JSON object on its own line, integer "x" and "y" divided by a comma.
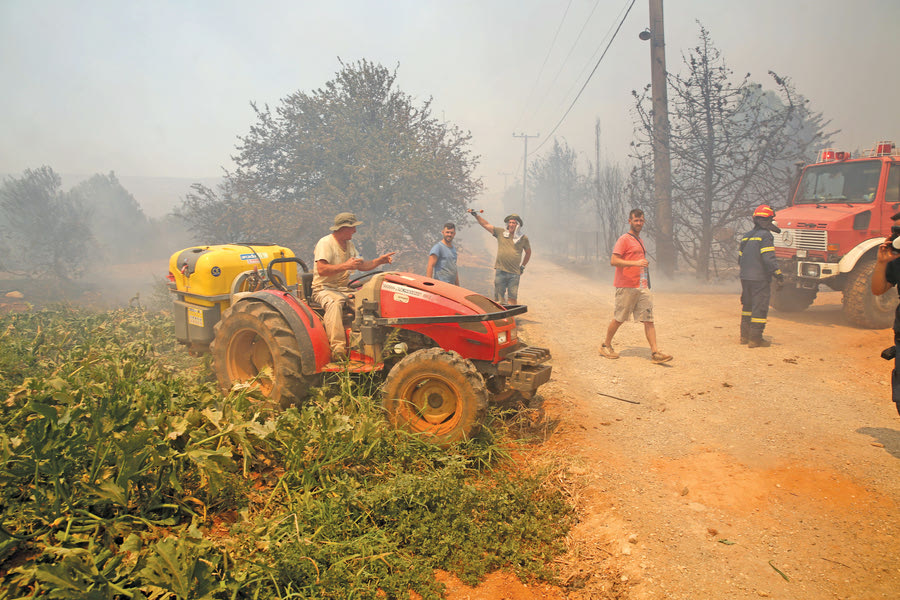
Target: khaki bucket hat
{"x": 345, "y": 219}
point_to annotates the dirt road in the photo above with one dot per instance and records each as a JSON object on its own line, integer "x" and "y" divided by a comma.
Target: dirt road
{"x": 730, "y": 472}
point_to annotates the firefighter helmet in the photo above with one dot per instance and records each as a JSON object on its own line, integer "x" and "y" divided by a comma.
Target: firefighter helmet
{"x": 765, "y": 211}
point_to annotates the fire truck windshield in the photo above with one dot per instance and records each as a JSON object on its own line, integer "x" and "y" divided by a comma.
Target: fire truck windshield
{"x": 839, "y": 183}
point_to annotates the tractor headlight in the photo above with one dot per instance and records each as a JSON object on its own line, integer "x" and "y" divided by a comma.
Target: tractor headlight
{"x": 501, "y": 337}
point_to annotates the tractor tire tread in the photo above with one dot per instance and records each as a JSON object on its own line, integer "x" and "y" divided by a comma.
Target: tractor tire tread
{"x": 291, "y": 386}
{"x": 473, "y": 391}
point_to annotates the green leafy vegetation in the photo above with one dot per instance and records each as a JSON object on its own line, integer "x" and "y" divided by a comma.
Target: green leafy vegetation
{"x": 126, "y": 474}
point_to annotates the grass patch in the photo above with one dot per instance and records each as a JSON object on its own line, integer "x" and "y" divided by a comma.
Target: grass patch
{"x": 124, "y": 473}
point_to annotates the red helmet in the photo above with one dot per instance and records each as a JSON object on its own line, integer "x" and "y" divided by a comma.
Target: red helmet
{"x": 765, "y": 211}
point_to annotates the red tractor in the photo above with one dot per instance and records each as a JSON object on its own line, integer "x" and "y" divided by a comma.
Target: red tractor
{"x": 446, "y": 351}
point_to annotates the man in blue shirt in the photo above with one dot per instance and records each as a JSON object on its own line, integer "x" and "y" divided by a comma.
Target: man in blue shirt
{"x": 442, "y": 258}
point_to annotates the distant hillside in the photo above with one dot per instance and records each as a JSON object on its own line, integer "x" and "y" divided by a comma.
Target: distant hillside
{"x": 158, "y": 196}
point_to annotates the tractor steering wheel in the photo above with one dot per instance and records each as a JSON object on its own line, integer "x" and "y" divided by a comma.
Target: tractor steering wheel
{"x": 360, "y": 278}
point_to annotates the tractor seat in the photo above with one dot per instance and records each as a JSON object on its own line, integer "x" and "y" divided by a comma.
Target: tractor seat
{"x": 307, "y": 296}
{"x": 306, "y": 286}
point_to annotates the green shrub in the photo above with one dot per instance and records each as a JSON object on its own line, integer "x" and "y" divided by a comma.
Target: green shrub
{"x": 119, "y": 459}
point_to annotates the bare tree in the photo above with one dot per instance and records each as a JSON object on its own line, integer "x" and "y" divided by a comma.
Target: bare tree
{"x": 732, "y": 145}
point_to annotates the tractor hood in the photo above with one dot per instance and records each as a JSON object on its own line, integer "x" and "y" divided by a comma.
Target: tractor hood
{"x": 411, "y": 295}
{"x": 453, "y": 317}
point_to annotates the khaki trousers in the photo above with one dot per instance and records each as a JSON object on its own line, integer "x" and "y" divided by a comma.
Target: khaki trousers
{"x": 333, "y": 302}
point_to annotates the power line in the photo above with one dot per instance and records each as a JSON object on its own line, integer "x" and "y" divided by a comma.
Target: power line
{"x": 550, "y": 135}
{"x": 546, "y": 58}
{"x": 566, "y": 59}
{"x": 590, "y": 61}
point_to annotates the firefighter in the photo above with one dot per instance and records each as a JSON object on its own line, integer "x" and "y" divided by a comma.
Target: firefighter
{"x": 758, "y": 266}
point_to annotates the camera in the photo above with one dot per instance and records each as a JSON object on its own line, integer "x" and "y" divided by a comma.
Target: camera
{"x": 894, "y": 239}
{"x": 895, "y": 233}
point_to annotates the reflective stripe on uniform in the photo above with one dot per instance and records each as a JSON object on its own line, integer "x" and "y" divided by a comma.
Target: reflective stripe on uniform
{"x": 757, "y": 320}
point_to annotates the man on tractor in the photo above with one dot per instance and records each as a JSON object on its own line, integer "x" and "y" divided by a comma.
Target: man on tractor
{"x": 335, "y": 257}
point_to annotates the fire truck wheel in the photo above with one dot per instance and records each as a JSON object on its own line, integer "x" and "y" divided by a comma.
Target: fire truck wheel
{"x": 436, "y": 393}
{"x": 253, "y": 344}
{"x": 861, "y": 306}
{"x": 790, "y": 298}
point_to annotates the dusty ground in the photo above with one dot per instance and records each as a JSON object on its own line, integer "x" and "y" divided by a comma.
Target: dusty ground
{"x": 729, "y": 472}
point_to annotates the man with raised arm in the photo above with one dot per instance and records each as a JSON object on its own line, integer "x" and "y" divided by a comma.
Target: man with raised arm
{"x": 512, "y": 243}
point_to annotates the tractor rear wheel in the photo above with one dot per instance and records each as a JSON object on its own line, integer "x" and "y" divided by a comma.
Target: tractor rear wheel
{"x": 253, "y": 344}
{"x": 436, "y": 393}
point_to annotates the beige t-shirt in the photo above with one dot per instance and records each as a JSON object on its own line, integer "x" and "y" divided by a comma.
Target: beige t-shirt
{"x": 509, "y": 253}
{"x": 328, "y": 249}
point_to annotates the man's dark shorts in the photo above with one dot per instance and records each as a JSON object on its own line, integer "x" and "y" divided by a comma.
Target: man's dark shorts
{"x": 506, "y": 285}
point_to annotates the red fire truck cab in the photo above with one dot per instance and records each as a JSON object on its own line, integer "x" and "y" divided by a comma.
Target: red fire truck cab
{"x": 840, "y": 211}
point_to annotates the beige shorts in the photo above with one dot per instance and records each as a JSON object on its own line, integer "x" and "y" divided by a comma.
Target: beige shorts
{"x": 633, "y": 301}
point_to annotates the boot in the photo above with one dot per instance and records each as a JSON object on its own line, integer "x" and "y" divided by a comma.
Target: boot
{"x": 759, "y": 343}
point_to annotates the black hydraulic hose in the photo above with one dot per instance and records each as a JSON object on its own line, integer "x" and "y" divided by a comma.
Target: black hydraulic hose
{"x": 276, "y": 261}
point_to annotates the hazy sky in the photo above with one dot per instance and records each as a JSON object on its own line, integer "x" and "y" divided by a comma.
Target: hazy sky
{"x": 163, "y": 88}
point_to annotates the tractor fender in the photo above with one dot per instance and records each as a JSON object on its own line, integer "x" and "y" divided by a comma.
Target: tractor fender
{"x": 848, "y": 262}
{"x": 306, "y": 325}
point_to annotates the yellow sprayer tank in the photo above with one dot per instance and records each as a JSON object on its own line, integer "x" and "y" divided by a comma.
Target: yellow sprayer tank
{"x": 203, "y": 279}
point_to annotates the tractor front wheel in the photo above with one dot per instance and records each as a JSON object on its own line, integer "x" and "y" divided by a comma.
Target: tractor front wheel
{"x": 436, "y": 393}
{"x": 254, "y": 345}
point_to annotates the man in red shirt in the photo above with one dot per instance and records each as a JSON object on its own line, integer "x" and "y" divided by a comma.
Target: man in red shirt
{"x": 632, "y": 281}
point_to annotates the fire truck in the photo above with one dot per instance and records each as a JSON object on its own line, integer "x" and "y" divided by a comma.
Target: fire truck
{"x": 840, "y": 211}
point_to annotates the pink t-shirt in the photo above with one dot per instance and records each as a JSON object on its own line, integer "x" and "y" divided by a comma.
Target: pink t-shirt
{"x": 629, "y": 248}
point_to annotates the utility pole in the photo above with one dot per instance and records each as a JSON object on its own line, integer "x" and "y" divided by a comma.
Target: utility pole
{"x": 662, "y": 170}
{"x": 525, "y": 136}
